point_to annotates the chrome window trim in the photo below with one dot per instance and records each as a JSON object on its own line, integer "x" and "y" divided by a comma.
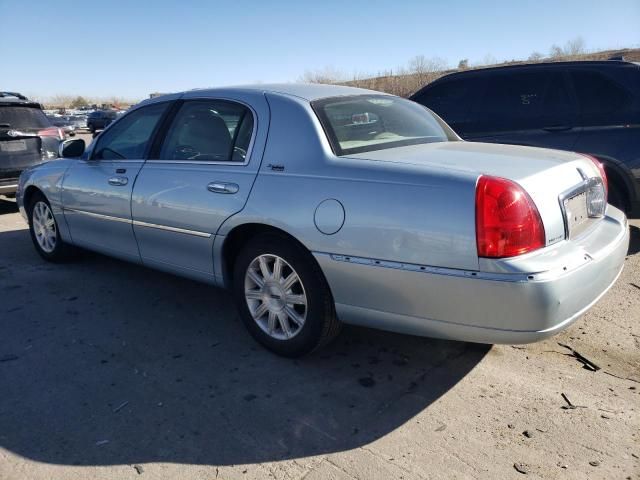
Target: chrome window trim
{"x": 212, "y": 162}
{"x": 138, "y": 223}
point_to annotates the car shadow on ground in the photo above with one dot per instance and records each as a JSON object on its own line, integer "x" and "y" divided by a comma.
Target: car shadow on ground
{"x": 634, "y": 240}
{"x": 7, "y": 206}
{"x": 104, "y": 363}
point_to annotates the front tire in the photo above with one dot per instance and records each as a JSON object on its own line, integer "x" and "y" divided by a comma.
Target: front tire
{"x": 283, "y": 297}
{"x": 44, "y": 231}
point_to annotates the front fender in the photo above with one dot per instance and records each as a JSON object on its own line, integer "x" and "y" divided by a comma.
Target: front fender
{"x": 48, "y": 179}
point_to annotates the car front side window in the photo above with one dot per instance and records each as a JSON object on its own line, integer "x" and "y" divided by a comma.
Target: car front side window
{"x": 209, "y": 130}
{"x": 129, "y": 138}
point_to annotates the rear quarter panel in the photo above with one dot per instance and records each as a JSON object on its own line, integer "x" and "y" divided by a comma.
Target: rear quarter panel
{"x": 400, "y": 213}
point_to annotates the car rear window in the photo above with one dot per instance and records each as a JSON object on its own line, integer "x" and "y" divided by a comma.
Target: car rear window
{"x": 23, "y": 117}
{"x": 364, "y": 123}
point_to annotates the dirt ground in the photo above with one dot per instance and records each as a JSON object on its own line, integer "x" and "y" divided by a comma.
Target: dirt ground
{"x": 113, "y": 371}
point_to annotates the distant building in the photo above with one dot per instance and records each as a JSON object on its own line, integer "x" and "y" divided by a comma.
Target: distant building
{"x": 156, "y": 94}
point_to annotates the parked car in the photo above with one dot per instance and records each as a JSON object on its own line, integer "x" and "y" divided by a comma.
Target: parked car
{"x": 63, "y": 122}
{"x": 99, "y": 119}
{"x": 590, "y": 107}
{"x": 27, "y": 138}
{"x": 319, "y": 204}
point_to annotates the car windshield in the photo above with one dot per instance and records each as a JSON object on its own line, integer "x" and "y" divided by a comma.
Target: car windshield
{"x": 363, "y": 123}
{"x": 23, "y": 117}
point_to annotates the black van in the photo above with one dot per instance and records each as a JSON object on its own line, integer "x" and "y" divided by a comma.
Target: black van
{"x": 590, "y": 107}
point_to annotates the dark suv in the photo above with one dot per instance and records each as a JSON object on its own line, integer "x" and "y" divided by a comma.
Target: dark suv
{"x": 100, "y": 119}
{"x": 589, "y": 107}
{"x": 26, "y": 138}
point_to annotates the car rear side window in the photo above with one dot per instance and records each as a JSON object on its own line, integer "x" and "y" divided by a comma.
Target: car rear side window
{"x": 209, "y": 130}
{"x": 363, "y": 123}
{"x": 525, "y": 100}
{"x": 130, "y": 136}
{"x": 23, "y": 117}
{"x": 602, "y": 100}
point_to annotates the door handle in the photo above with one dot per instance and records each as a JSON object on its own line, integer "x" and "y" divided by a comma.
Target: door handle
{"x": 223, "y": 187}
{"x": 118, "y": 181}
{"x": 557, "y": 128}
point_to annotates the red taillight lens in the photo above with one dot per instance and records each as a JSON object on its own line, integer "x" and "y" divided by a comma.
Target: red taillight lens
{"x": 600, "y": 168}
{"x": 52, "y": 132}
{"x": 507, "y": 221}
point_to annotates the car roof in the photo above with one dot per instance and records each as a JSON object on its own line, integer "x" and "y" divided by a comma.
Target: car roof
{"x": 592, "y": 63}
{"x": 516, "y": 66}
{"x": 306, "y": 91}
{"x": 18, "y": 102}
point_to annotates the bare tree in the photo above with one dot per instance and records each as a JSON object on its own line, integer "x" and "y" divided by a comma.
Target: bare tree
{"x": 463, "y": 64}
{"x": 535, "y": 57}
{"x": 325, "y": 75}
{"x": 575, "y": 46}
{"x": 571, "y": 49}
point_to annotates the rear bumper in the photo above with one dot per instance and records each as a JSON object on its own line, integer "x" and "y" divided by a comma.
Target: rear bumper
{"x": 479, "y": 307}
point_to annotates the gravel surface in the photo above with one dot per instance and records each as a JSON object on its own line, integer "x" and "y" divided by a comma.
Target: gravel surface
{"x": 110, "y": 370}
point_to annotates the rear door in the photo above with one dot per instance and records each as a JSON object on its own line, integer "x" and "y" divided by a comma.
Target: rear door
{"x": 199, "y": 176}
{"x": 534, "y": 107}
{"x": 609, "y": 101}
{"x": 96, "y": 192}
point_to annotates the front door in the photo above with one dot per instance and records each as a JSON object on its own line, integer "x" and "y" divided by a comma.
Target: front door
{"x": 200, "y": 175}
{"x": 96, "y": 193}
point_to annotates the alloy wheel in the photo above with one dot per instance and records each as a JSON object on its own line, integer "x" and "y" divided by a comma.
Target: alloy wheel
{"x": 275, "y": 296}
{"x": 44, "y": 227}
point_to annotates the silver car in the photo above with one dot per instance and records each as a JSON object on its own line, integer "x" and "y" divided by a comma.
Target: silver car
{"x": 317, "y": 205}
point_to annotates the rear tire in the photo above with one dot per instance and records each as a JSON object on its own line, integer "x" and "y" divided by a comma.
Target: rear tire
{"x": 617, "y": 198}
{"x": 44, "y": 230}
{"x": 282, "y": 296}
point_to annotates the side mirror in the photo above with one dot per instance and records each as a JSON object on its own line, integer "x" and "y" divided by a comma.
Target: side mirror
{"x": 71, "y": 148}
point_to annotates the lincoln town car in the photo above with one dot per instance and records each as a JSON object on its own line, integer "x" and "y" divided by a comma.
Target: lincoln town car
{"x": 320, "y": 205}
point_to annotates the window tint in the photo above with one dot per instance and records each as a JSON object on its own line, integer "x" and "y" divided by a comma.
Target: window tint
{"x": 601, "y": 99}
{"x": 129, "y": 137}
{"x": 452, "y": 99}
{"x": 525, "y": 100}
{"x": 365, "y": 123}
{"x": 23, "y": 117}
{"x": 209, "y": 130}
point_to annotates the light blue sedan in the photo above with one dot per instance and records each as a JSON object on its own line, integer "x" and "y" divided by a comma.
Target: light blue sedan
{"x": 317, "y": 205}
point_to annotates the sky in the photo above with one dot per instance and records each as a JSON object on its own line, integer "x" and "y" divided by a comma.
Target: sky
{"x": 132, "y": 48}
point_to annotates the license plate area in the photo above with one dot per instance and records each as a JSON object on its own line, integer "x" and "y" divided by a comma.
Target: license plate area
{"x": 577, "y": 215}
{"x": 13, "y": 146}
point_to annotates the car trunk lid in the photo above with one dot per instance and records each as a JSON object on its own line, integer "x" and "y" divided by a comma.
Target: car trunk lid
{"x": 550, "y": 177}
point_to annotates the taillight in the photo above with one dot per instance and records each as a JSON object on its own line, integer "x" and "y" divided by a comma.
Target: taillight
{"x": 600, "y": 168}
{"x": 507, "y": 221}
{"x": 52, "y": 132}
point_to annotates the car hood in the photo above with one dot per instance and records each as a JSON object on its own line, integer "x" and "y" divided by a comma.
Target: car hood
{"x": 509, "y": 161}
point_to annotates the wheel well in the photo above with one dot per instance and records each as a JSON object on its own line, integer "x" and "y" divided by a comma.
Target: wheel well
{"x": 238, "y": 237}
{"x": 616, "y": 181}
{"x": 28, "y": 195}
